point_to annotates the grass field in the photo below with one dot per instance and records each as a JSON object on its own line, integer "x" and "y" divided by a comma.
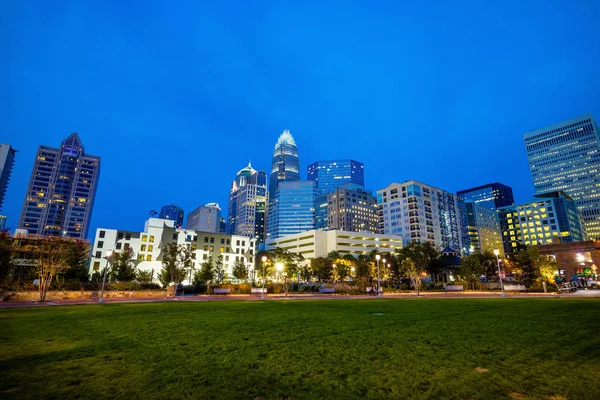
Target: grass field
{"x": 459, "y": 348}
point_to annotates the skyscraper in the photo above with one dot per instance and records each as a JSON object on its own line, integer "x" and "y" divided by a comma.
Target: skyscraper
{"x": 492, "y": 195}
{"x": 248, "y": 199}
{"x": 483, "y": 228}
{"x": 286, "y": 165}
{"x": 61, "y": 192}
{"x": 349, "y": 208}
{"x": 293, "y": 210}
{"x": 330, "y": 174}
{"x": 7, "y": 160}
{"x": 421, "y": 213}
{"x": 206, "y": 218}
{"x": 566, "y": 156}
{"x": 172, "y": 212}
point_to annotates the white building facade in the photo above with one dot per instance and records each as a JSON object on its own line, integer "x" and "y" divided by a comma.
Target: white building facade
{"x": 421, "y": 213}
{"x": 148, "y": 246}
{"x": 318, "y": 243}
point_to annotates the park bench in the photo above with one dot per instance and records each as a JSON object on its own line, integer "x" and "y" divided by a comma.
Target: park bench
{"x": 369, "y": 288}
{"x": 222, "y": 291}
{"x": 258, "y": 290}
{"x": 454, "y": 288}
{"x": 514, "y": 288}
{"x": 326, "y": 290}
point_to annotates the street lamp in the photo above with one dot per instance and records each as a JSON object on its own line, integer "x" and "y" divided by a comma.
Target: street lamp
{"x": 378, "y": 257}
{"x": 262, "y": 294}
{"x": 108, "y": 254}
{"x": 497, "y": 253}
{"x": 279, "y": 268}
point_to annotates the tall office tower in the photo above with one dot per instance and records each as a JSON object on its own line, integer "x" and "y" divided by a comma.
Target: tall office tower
{"x": 286, "y": 165}
{"x": 61, "y": 192}
{"x": 222, "y": 225}
{"x": 293, "y": 210}
{"x": 483, "y": 228}
{"x": 7, "y": 160}
{"x": 352, "y": 209}
{"x": 566, "y": 156}
{"x": 321, "y": 212}
{"x": 421, "y": 213}
{"x": 248, "y": 199}
{"x": 551, "y": 216}
{"x": 206, "y": 218}
{"x": 172, "y": 212}
{"x": 332, "y": 173}
{"x": 492, "y": 195}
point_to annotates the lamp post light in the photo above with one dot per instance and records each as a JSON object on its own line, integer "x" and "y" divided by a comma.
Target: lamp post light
{"x": 262, "y": 294}
{"x": 279, "y": 268}
{"x": 378, "y": 257}
{"x": 497, "y": 253}
{"x": 108, "y": 254}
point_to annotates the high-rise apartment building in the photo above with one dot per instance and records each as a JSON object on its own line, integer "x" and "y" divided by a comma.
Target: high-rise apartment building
{"x": 550, "y": 217}
{"x": 483, "y": 227}
{"x": 172, "y": 212}
{"x": 7, "y": 161}
{"x": 492, "y": 196}
{"x": 352, "y": 209}
{"x": 293, "y": 210}
{"x": 330, "y": 174}
{"x": 248, "y": 199}
{"x": 285, "y": 165}
{"x": 422, "y": 213}
{"x": 61, "y": 191}
{"x": 206, "y": 218}
{"x": 566, "y": 156}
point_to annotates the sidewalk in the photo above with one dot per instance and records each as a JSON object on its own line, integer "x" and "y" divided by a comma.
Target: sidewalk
{"x": 307, "y": 296}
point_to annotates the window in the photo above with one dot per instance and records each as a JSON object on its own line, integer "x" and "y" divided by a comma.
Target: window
{"x": 237, "y": 243}
{"x": 101, "y": 235}
{"x": 118, "y": 245}
{"x": 96, "y": 265}
{"x": 222, "y": 249}
{"x": 119, "y": 235}
{"x": 98, "y": 254}
{"x": 227, "y": 250}
{"x": 100, "y": 244}
{"x": 211, "y": 248}
{"x": 151, "y": 239}
{"x": 226, "y": 258}
{"x": 144, "y": 238}
{"x": 222, "y": 241}
{"x": 243, "y": 243}
{"x": 205, "y": 239}
{"x": 140, "y": 257}
{"x": 228, "y": 241}
{"x": 149, "y": 257}
{"x": 128, "y": 236}
{"x": 150, "y": 247}
{"x": 204, "y": 256}
{"x": 212, "y": 239}
{"x": 143, "y": 247}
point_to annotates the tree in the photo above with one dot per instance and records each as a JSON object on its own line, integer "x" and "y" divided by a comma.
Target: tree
{"x": 421, "y": 254}
{"x": 240, "y": 271}
{"x": 51, "y": 259}
{"x": 207, "y": 273}
{"x": 413, "y": 271}
{"x": 6, "y": 257}
{"x": 471, "y": 269}
{"x": 219, "y": 270}
{"x": 122, "y": 266}
{"x": 364, "y": 268}
{"x": 322, "y": 269}
{"x": 532, "y": 265}
{"x": 144, "y": 276}
{"x": 78, "y": 258}
{"x": 174, "y": 264}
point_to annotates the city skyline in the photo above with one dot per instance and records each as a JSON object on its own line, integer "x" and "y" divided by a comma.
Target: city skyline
{"x": 384, "y": 119}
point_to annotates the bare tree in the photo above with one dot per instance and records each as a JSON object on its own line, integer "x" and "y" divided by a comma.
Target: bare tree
{"x": 52, "y": 259}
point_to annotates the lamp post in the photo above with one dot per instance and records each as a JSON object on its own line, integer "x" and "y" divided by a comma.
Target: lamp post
{"x": 262, "y": 294}
{"x": 378, "y": 257}
{"x": 497, "y": 253}
{"x": 279, "y": 268}
{"x": 108, "y": 254}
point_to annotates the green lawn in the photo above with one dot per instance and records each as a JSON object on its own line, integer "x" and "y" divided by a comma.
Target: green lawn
{"x": 455, "y": 348}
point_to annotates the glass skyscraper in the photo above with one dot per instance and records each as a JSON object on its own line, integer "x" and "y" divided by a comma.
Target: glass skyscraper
{"x": 566, "y": 157}
{"x": 7, "y": 160}
{"x": 483, "y": 228}
{"x": 285, "y": 165}
{"x": 206, "y": 218}
{"x": 293, "y": 210}
{"x": 248, "y": 199}
{"x": 490, "y": 196}
{"x": 330, "y": 174}
{"x": 172, "y": 212}
{"x": 61, "y": 191}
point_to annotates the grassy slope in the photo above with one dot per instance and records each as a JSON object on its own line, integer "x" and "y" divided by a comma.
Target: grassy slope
{"x": 304, "y": 349}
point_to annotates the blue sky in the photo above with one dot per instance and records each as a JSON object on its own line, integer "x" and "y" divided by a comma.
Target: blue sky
{"x": 177, "y": 96}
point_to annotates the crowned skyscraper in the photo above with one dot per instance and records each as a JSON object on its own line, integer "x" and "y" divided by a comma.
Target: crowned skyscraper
{"x": 285, "y": 166}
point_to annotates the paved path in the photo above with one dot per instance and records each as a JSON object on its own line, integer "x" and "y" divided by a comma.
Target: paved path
{"x": 271, "y": 297}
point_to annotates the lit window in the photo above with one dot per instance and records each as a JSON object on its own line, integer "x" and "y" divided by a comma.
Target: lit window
{"x": 144, "y": 238}
{"x": 151, "y": 239}
{"x": 149, "y": 257}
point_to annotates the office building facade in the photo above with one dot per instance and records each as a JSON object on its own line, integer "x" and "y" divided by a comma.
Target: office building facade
{"x": 330, "y": 174}
{"x": 206, "y": 218}
{"x": 148, "y": 246}
{"x": 172, "y": 212}
{"x": 483, "y": 227}
{"x": 550, "y": 217}
{"x": 248, "y": 199}
{"x": 566, "y": 156}
{"x": 492, "y": 196}
{"x": 421, "y": 213}
{"x": 351, "y": 209}
{"x": 61, "y": 191}
{"x": 293, "y": 209}
{"x": 7, "y": 161}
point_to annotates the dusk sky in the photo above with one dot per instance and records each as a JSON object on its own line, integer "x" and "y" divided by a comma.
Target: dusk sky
{"x": 176, "y": 97}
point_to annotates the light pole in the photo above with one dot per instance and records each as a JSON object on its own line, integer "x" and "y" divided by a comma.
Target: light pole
{"x": 262, "y": 294}
{"x": 108, "y": 254}
{"x": 497, "y": 252}
{"x": 378, "y": 257}
{"x": 279, "y": 268}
